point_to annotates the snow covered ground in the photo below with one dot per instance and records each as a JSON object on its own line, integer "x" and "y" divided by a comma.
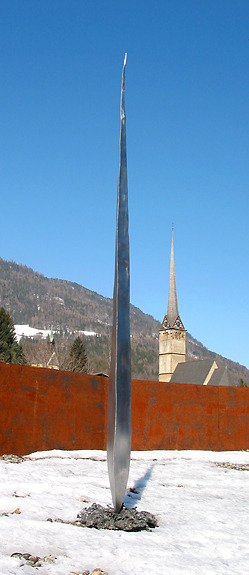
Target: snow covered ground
{"x": 202, "y": 511}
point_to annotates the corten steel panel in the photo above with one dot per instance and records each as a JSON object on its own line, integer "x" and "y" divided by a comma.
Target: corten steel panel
{"x": 43, "y": 409}
{"x": 183, "y": 416}
{"x": 233, "y": 418}
{"x": 172, "y": 416}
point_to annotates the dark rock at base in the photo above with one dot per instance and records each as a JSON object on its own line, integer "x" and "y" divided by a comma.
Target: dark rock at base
{"x": 34, "y": 560}
{"x": 99, "y": 517}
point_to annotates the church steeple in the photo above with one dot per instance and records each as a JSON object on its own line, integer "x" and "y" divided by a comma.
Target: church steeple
{"x": 172, "y": 318}
{"x": 172, "y": 335}
{"x": 172, "y": 312}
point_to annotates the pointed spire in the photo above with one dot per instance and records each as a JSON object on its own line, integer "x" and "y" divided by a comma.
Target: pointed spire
{"x": 172, "y": 313}
{"x": 172, "y": 318}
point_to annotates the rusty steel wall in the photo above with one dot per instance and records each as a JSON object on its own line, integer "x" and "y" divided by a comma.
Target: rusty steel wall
{"x": 184, "y": 416}
{"x": 42, "y": 409}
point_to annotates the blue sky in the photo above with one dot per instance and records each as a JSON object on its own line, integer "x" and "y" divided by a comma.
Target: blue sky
{"x": 187, "y": 139}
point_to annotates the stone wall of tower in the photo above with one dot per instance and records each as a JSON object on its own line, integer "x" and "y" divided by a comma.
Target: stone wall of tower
{"x": 172, "y": 350}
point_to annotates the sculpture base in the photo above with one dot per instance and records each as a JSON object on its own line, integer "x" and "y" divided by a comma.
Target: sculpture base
{"x": 99, "y": 517}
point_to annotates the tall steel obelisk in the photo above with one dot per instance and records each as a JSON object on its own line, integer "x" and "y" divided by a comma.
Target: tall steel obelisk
{"x": 119, "y": 394}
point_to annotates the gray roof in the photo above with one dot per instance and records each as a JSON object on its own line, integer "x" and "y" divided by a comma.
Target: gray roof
{"x": 198, "y": 371}
{"x": 195, "y": 371}
{"x": 221, "y": 376}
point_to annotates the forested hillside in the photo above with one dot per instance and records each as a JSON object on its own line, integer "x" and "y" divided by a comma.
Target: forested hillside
{"x": 70, "y": 308}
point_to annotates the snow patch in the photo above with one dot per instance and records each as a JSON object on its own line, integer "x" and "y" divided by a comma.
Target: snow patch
{"x": 31, "y": 332}
{"x": 202, "y": 512}
{"x": 27, "y": 331}
{"x": 88, "y": 333}
{"x": 60, "y": 300}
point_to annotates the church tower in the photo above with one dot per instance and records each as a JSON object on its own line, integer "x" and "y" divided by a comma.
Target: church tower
{"x": 172, "y": 335}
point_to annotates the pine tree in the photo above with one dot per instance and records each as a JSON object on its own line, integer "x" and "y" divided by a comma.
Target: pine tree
{"x": 10, "y": 350}
{"x": 77, "y": 356}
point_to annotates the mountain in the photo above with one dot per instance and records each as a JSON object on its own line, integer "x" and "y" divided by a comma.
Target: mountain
{"x": 40, "y": 302}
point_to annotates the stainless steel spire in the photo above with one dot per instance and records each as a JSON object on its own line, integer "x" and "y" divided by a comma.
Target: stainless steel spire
{"x": 119, "y": 393}
{"x": 172, "y": 312}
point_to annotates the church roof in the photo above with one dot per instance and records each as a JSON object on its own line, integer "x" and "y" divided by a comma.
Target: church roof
{"x": 201, "y": 372}
{"x": 196, "y": 371}
{"x": 172, "y": 318}
{"x": 221, "y": 376}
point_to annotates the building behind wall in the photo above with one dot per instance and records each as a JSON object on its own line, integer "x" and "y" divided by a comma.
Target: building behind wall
{"x": 172, "y": 335}
{"x": 173, "y": 366}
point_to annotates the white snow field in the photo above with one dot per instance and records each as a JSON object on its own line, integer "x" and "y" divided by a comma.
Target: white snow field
{"x": 24, "y": 330}
{"x": 202, "y": 511}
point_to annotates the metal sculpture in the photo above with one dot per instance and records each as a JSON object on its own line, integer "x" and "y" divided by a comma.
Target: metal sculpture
{"x": 119, "y": 394}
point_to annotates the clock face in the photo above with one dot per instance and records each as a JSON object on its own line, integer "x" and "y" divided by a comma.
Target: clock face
{"x": 177, "y": 325}
{"x": 166, "y": 324}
